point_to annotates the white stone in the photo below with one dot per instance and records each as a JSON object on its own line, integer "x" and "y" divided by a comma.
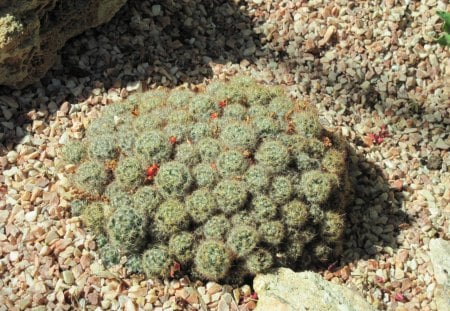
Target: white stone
{"x": 31, "y": 216}
{"x": 287, "y": 290}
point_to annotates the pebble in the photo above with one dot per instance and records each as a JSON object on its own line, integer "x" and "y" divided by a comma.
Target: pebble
{"x": 68, "y": 277}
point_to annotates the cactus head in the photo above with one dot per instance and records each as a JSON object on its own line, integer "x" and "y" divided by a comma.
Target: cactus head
{"x": 212, "y": 260}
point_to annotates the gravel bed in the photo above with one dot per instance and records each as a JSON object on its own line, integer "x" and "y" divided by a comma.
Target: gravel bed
{"x": 370, "y": 67}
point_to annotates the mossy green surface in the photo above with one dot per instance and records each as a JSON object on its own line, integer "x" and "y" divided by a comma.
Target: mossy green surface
{"x": 229, "y": 182}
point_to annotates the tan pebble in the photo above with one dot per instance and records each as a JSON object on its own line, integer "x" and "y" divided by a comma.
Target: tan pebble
{"x": 212, "y": 288}
{"x": 372, "y": 264}
{"x": 192, "y": 298}
{"x": 236, "y": 294}
{"x": 216, "y": 296}
{"x": 227, "y": 298}
{"x": 201, "y": 290}
{"x": 250, "y": 305}
{"x": 68, "y": 277}
{"x": 246, "y": 290}
{"x": 130, "y": 306}
{"x": 399, "y": 274}
{"x": 223, "y": 306}
{"x": 31, "y": 216}
{"x": 328, "y": 34}
{"x": 181, "y": 293}
{"x": 152, "y": 298}
{"x": 14, "y": 256}
{"x": 206, "y": 298}
{"x": 26, "y": 195}
{"x": 106, "y": 304}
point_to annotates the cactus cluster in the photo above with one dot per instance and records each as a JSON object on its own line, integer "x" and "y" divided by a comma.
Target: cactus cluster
{"x": 227, "y": 183}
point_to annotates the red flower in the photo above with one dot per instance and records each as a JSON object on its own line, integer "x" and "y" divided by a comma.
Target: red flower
{"x": 151, "y": 171}
{"x": 172, "y": 140}
{"x": 214, "y": 115}
{"x": 223, "y": 103}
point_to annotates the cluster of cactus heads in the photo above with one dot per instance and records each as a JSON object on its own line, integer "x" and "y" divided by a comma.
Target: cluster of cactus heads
{"x": 226, "y": 183}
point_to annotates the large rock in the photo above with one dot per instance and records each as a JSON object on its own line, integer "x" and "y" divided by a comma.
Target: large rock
{"x": 32, "y": 31}
{"x": 440, "y": 259}
{"x": 285, "y": 290}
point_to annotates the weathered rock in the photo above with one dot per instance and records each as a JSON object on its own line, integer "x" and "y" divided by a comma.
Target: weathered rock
{"x": 285, "y": 290}
{"x": 31, "y": 33}
{"x": 440, "y": 258}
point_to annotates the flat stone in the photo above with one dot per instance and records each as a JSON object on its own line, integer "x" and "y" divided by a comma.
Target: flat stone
{"x": 285, "y": 290}
{"x": 440, "y": 258}
{"x": 68, "y": 277}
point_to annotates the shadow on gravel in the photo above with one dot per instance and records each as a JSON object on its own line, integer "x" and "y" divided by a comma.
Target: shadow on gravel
{"x": 158, "y": 42}
{"x": 374, "y": 216}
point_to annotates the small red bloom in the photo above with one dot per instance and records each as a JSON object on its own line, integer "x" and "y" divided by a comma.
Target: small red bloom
{"x": 172, "y": 140}
{"x": 223, "y": 103}
{"x": 214, "y": 115}
{"x": 151, "y": 171}
{"x": 214, "y": 166}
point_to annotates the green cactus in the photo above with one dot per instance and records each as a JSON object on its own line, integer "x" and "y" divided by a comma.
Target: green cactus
{"x": 229, "y": 182}
{"x": 212, "y": 260}
{"x": 209, "y": 149}
{"x": 307, "y": 123}
{"x": 93, "y": 216}
{"x": 272, "y": 232}
{"x": 201, "y": 205}
{"x": 126, "y": 230}
{"x": 181, "y": 247}
{"x": 154, "y": 146}
{"x": 259, "y": 261}
{"x": 103, "y": 147}
{"x": 134, "y": 264}
{"x": 263, "y": 208}
{"x": 91, "y": 177}
{"x": 156, "y": 261}
{"x": 231, "y": 195}
{"x": 238, "y": 135}
{"x": 147, "y": 199}
{"x": 199, "y": 131}
{"x": 245, "y": 218}
{"x": 295, "y": 213}
{"x": 110, "y": 255}
{"x": 231, "y": 163}
{"x": 173, "y": 180}
{"x": 117, "y": 196}
{"x": 280, "y": 107}
{"x": 257, "y": 179}
{"x": 187, "y": 154}
{"x": 235, "y": 112}
{"x": 273, "y": 155}
{"x": 281, "y": 190}
{"x": 171, "y": 217}
{"x": 334, "y": 162}
{"x": 205, "y": 175}
{"x": 179, "y": 98}
{"x": 129, "y": 173}
{"x": 317, "y": 185}
{"x": 242, "y": 240}
{"x": 216, "y": 228}
{"x": 74, "y": 152}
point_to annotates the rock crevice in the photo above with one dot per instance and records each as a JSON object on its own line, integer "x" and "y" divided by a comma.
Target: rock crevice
{"x": 31, "y": 33}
